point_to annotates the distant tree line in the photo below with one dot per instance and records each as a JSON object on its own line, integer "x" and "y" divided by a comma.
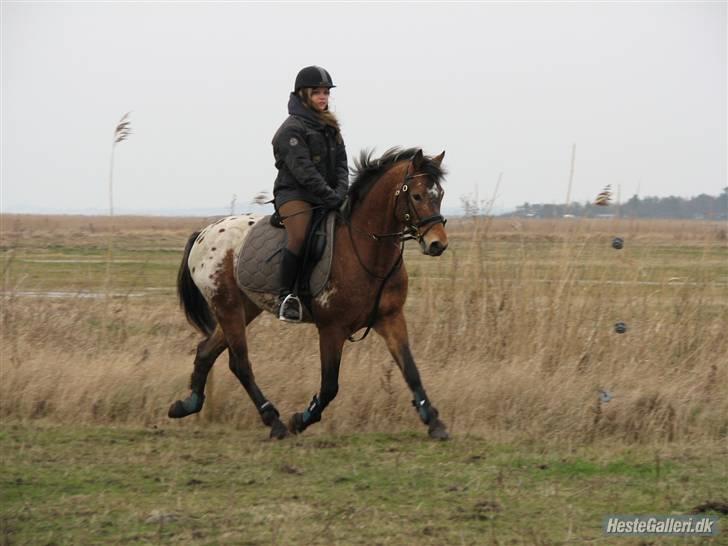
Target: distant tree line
{"x": 703, "y": 206}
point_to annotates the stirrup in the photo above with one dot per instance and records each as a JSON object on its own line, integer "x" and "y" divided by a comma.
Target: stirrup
{"x": 291, "y": 310}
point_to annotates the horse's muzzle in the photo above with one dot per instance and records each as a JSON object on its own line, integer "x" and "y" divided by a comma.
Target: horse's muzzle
{"x": 434, "y": 240}
{"x": 435, "y": 248}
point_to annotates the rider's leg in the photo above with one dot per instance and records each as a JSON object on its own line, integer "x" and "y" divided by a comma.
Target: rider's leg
{"x": 296, "y": 218}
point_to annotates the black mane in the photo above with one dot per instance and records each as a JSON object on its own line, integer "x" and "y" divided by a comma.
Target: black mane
{"x": 367, "y": 170}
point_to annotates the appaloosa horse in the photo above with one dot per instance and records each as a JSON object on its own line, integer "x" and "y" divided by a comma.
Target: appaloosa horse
{"x": 391, "y": 199}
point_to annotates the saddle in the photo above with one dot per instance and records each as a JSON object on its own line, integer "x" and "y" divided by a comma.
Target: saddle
{"x": 259, "y": 263}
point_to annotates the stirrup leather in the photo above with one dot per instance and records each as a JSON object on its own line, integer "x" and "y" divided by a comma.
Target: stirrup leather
{"x": 291, "y": 309}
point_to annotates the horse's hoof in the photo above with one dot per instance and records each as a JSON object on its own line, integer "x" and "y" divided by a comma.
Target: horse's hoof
{"x": 177, "y": 410}
{"x": 295, "y": 423}
{"x": 278, "y": 431}
{"x": 437, "y": 431}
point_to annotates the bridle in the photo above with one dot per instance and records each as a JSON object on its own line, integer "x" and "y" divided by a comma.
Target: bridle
{"x": 412, "y": 229}
{"x": 410, "y": 218}
{"x": 412, "y": 222}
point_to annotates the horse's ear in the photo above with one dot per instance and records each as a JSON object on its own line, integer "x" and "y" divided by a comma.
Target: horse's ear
{"x": 418, "y": 160}
{"x": 438, "y": 159}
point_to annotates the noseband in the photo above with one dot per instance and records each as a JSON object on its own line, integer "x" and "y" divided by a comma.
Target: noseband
{"x": 412, "y": 229}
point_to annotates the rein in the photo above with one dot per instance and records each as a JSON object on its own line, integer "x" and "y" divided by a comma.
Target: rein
{"x": 373, "y": 314}
{"x": 409, "y": 233}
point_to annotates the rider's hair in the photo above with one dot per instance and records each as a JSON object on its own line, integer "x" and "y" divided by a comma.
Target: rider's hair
{"x": 326, "y": 116}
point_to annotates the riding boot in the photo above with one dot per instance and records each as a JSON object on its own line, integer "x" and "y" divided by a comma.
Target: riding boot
{"x": 290, "y": 309}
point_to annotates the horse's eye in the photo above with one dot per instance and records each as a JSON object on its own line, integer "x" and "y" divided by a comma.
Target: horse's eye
{"x": 416, "y": 197}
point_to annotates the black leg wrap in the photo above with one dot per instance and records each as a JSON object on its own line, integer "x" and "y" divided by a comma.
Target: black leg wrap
{"x": 430, "y": 416}
{"x": 182, "y": 408}
{"x": 268, "y": 414}
{"x": 426, "y": 411}
{"x": 313, "y": 412}
{"x": 301, "y": 421}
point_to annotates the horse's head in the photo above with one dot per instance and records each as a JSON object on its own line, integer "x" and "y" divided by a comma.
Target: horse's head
{"x": 411, "y": 184}
{"x": 420, "y": 196}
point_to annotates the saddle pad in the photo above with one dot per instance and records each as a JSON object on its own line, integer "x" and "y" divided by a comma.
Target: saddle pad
{"x": 259, "y": 263}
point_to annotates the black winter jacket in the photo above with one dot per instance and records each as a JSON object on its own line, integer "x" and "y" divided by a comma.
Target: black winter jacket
{"x": 310, "y": 158}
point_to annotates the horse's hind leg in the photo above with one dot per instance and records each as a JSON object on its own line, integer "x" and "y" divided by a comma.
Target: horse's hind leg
{"x": 234, "y": 328}
{"x": 207, "y": 352}
{"x": 393, "y": 328}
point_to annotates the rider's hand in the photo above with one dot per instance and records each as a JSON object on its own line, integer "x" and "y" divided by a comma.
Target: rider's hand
{"x": 333, "y": 200}
{"x": 342, "y": 192}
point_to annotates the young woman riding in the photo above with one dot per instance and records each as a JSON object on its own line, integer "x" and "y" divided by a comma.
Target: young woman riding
{"x": 312, "y": 171}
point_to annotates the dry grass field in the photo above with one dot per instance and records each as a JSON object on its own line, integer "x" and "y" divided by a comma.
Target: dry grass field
{"x": 512, "y": 329}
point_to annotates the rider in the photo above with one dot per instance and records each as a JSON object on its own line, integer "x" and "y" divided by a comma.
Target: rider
{"x": 312, "y": 172}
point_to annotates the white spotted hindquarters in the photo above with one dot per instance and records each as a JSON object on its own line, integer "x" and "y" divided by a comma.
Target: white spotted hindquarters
{"x": 215, "y": 242}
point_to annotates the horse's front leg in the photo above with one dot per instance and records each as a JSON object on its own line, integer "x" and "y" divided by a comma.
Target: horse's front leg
{"x": 393, "y": 328}
{"x": 331, "y": 342}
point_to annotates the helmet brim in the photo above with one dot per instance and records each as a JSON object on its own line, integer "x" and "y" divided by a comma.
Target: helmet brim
{"x": 322, "y": 84}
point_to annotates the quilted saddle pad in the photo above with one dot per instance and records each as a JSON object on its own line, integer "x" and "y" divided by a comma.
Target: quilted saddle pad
{"x": 259, "y": 263}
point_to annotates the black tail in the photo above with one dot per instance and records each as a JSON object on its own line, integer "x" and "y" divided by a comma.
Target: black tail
{"x": 190, "y": 298}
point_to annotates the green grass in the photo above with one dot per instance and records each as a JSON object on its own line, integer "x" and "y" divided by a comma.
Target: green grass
{"x": 215, "y": 485}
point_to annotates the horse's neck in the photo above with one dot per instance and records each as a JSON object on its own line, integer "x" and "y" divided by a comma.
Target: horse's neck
{"x": 375, "y": 215}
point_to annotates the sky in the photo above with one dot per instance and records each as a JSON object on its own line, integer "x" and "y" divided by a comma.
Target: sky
{"x": 506, "y": 89}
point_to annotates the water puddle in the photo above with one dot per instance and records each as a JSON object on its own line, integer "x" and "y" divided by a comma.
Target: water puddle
{"x": 82, "y": 294}
{"x": 83, "y": 261}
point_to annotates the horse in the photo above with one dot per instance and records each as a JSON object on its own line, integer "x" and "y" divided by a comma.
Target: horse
{"x": 391, "y": 199}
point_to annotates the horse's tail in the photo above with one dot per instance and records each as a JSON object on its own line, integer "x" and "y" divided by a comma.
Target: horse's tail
{"x": 191, "y": 299}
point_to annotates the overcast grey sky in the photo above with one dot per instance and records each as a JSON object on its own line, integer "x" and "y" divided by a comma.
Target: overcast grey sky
{"x": 502, "y": 87}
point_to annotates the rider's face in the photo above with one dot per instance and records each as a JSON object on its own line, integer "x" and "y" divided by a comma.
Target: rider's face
{"x": 320, "y": 98}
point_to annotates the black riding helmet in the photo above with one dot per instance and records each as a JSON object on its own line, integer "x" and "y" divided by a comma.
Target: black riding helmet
{"x": 313, "y": 76}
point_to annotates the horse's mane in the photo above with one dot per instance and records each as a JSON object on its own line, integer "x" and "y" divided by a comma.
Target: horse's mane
{"x": 367, "y": 171}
